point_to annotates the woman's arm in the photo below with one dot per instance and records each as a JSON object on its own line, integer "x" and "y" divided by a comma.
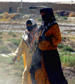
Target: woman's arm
{"x": 56, "y": 38}
{"x": 18, "y": 52}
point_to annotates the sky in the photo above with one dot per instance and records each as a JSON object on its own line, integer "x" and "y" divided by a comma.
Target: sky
{"x": 37, "y": 0}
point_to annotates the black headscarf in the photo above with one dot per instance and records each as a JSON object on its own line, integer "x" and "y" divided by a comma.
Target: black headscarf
{"x": 49, "y": 16}
{"x": 32, "y": 23}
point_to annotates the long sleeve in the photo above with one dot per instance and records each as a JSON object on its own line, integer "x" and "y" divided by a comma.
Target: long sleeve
{"x": 19, "y": 51}
{"x": 56, "y": 35}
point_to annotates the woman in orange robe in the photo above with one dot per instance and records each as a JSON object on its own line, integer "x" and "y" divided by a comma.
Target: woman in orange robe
{"x": 46, "y": 65}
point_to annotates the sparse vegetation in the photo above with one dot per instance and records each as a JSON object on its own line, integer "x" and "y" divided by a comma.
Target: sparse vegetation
{"x": 67, "y": 58}
{"x": 12, "y": 33}
{"x": 67, "y": 48}
{"x": 1, "y": 33}
{"x": 72, "y": 37}
{"x": 11, "y": 70}
{"x": 4, "y": 49}
{"x": 68, "y": 31}
{"x": 60, "y": 45}
{"x": 0, "y": 37}
{"x": 15, "y": 41}
{"x": 39, "y": 19}
{"x": 65, "y": 18}
{"x": 7, "y": 16}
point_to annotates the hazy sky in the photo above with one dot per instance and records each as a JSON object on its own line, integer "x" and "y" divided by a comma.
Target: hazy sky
{"x": 39, "y": 0}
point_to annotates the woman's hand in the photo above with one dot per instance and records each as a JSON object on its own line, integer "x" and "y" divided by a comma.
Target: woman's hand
{"x": 14, "y": 59}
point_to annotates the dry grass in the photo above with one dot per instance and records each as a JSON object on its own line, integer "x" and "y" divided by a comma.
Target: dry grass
{"x": 71, "y": 15}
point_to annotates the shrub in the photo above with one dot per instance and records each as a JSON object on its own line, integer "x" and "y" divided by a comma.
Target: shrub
{"x": 12, "y": 33}
{"x": 60, "y": 45}
{"x": 4, "y": 49}
{"x": 0, "y": 37}
{"x": 1, "y": 33}
{"x": 67, "y": 48}
{"x": 68, "y": 60}
{"x": 63, "y": 38}
{"x": 65, "y": 18}
{"x": 39, "y": 19}
{"x": 15, "y": 41}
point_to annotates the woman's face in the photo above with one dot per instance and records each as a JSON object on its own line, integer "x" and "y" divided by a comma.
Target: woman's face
{"x": 47, "y": 14}
{"x": 29, "y": 27}
{"x": 44, "y": 16}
